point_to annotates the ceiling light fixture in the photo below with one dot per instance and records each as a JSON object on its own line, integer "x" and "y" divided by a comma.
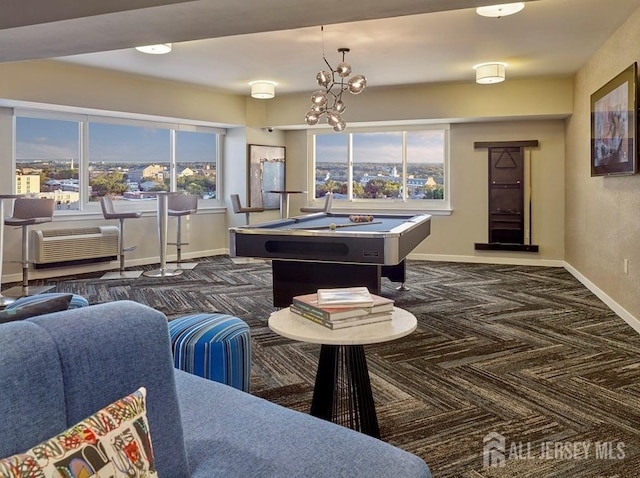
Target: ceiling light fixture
{"x": 159, "y": 49}
{"x": 498, "y": 11}
{"x": 487, "y": 73}
{"x": 329, "y": 101}
{"x": 262, "y": 89}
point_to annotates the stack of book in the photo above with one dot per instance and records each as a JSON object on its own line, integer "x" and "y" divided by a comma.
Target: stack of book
{"x": 343, "y": 307}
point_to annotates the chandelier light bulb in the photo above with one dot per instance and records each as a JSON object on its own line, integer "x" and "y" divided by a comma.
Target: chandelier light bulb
{"x": 312, "y": 118}
{"x": 343, "y": 70}
{"x": 340, "y": 106}
{"x": 333, "y": 118}
{"x": 319, "y": 98}
{"x": 340, "y": 127}
{"x": 357, "y": 84}
{"x": 324, "y": 78}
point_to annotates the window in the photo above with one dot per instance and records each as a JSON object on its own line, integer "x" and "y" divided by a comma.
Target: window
{"x": 77, "y": 159}
{"x": 47, "y": 159}
{"x": 196, "y": 163}
{"x": 127, "y": 161}
{"x": 384, "y": 168}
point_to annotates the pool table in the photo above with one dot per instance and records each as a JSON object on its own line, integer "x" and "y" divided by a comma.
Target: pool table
{"x": 325, "y": 250}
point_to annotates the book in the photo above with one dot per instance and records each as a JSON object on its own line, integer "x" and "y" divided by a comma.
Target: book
{"x": 344, "y": 323}
{"x": 344, "y": 296}
{"x": 309, "y": 303}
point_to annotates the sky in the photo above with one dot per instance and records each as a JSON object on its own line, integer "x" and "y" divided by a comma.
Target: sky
{"x": 422, "y": 146}
{"x": 47, "y": 139}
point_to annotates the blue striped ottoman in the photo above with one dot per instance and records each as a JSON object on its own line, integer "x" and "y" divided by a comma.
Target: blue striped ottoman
{"x": 213, "y": 346}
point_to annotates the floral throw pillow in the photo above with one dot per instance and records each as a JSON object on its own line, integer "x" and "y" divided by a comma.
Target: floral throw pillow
{"x": 114, "y": 442}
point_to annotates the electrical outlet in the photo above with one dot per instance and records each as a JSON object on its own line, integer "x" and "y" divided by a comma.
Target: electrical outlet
{"x": 626, "y": 266}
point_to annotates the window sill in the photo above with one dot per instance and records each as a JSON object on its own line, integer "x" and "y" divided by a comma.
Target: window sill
{"x": 395, "y": 210}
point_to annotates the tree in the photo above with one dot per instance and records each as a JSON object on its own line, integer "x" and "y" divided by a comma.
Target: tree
{"x": 111, "y": 183}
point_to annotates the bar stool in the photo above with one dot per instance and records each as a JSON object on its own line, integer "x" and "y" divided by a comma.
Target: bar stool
{"x": 238, "y": 209}
{"x": 109, "y": 212}
{"x": 179, "y": 205}
{"x": 328, "y": 199}
{"x": 27, "y": 212}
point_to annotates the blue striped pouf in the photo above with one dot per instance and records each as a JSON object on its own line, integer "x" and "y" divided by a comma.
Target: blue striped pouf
{"x": 77, "y": 301}
{"x": 213, "y": 346}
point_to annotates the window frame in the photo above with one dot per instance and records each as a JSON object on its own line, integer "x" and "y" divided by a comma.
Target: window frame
{"x": 83, "y": 120}
{"x": 431, "y": 206}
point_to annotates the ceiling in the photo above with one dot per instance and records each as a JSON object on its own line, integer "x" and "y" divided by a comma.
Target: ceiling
{"x": 225, "y": 44}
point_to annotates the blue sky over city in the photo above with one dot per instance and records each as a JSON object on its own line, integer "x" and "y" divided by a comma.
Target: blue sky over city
{"x": 44, "y": 139}
{"x": 425, "y": 146}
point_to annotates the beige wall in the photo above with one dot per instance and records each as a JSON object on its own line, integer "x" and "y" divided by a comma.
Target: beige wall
{"x": 531, "y": 98}
{"x": 57, "y": 83}
{"x": 603, "y": 225}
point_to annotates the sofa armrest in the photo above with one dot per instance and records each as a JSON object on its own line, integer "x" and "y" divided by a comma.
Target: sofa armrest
{"x": 232, "y": 433}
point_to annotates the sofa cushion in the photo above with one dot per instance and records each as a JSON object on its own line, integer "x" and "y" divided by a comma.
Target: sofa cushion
{"x": 232, "y": 433}
{"x": 114, "y": 441}
{"x": 106, "y": 351}
{"x": 36, "y": 306}
{"x": 31, "y": 382}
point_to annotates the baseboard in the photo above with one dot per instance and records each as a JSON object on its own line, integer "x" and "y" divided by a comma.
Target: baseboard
{"x": 620, "y": 311}
{"x": 106, "y": 266}
{"x": 515, "y": 261}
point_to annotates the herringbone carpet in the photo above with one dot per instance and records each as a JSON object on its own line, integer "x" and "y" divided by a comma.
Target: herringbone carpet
{"x": 525, "y": 352}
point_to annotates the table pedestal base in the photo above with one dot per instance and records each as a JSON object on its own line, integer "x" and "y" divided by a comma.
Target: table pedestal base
{"x": 185, "y": 266}
{"x": 163, "y": 273}
{"x": 342, "y": 392}
{"x": 122, "y": 275}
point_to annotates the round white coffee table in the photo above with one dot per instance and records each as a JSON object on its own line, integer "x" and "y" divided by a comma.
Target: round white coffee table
{"x": 342, "y": 392}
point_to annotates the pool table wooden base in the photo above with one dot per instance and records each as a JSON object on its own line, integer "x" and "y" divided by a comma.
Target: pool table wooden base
{"x": 291, "y": 278}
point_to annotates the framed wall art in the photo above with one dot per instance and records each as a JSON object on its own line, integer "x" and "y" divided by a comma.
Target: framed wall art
{"x": 614, "y": 125}
{"x": 266, "y": 173}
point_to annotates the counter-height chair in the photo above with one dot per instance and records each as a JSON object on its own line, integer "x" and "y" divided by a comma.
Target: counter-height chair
{"x": 328, "y": 199}
{"x": 109, "y": 212}
{"x": 28, "y": 212}
{"x": 238, "y": 209}
{"x": 178, "y": 206}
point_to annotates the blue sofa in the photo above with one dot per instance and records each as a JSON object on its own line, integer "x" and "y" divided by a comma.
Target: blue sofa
{"x": 57, "y": 369}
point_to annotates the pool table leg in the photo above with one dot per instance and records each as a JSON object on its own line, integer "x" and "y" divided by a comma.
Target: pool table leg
{"x": 397, "y": 273}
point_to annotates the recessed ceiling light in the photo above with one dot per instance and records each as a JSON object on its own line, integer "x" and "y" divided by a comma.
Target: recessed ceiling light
{"x": 503, "y": 10}
{"x": 159, "y": 49}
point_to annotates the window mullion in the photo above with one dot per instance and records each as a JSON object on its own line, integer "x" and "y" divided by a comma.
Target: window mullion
{"x": 350, "y": 167}
{"x": 404, "y": 166}
{"x": 173, "y": 168}
{"x": 83, "y": 166}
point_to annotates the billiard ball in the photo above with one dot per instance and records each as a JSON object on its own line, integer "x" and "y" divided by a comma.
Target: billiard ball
{"x": 332, "y": 226}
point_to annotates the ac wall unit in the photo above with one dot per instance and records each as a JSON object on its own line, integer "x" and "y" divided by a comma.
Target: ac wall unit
{"x": 62, "y": 247}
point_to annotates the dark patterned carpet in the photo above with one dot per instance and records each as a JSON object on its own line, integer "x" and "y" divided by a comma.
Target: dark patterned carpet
{"x": 526, "y": 352}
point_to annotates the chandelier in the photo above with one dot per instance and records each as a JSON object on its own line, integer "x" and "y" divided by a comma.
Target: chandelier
{"x": 328, "y": 101}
